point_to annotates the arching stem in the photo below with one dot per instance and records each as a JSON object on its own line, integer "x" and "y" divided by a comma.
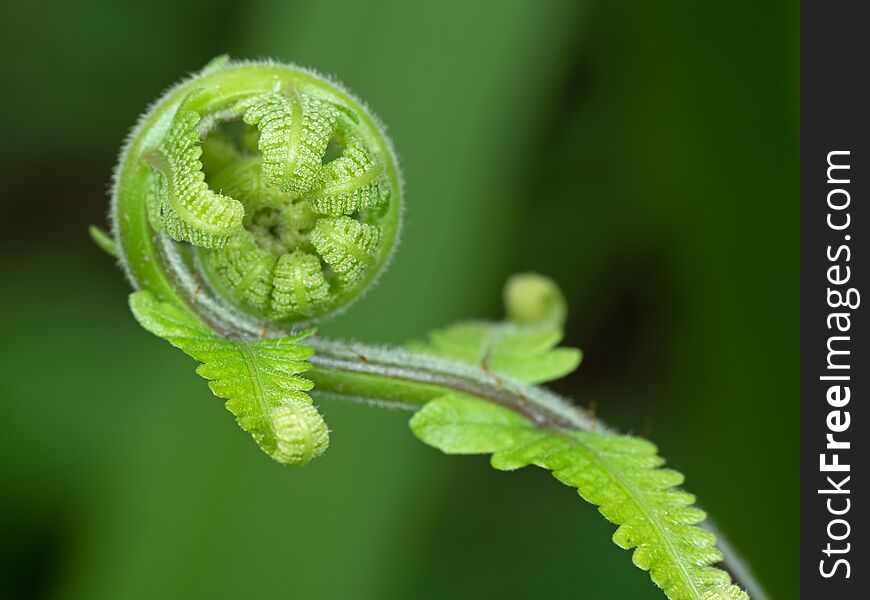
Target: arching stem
{"x": 395, "y": 375}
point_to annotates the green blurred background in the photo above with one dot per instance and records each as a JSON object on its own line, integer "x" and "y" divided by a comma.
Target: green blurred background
{"x": 644, "y": 154}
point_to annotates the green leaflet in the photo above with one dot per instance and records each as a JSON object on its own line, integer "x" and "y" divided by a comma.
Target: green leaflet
{"x": 524, "y": 346}
{"x": 186, "y": 208}
{"x": 619, "y": 474}
{"x": 103, "y": 240}
{"x": 525, "y": 352}
{"x": 259, "y": 379}
{"x": 295, "y": 130}
{"x": 244, "y": 269}
{"x": 346, "y": 245}
{"x": 299, "y": 284}
{"x": 352, "y": 182}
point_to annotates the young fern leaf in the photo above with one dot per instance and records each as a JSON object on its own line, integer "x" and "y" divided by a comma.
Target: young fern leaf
{"x": 245, "y": 269}
{"x": 524, "y": 352}
{"x": 525, "y": 346}
{"x": 299, "y": 284}
{"x": 346, "y": 245}
{"x": 619, "y": 474}
{"x": 259, "y": 379}
{"x": 188, "y": 210}
{"x": 295, "y": 130}
{"x": 352, "y": 182}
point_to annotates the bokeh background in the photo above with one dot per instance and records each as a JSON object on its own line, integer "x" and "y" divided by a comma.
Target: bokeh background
{"x": 644, "y": 154}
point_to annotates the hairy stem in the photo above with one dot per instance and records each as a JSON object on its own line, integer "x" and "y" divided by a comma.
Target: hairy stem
{"x": 395, "y": 375}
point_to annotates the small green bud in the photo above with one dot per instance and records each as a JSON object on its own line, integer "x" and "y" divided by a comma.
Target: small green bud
{"x": 532, "y": 298}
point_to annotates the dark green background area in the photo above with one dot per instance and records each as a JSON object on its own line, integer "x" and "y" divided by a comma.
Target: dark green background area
{"x": 644, "y": 154}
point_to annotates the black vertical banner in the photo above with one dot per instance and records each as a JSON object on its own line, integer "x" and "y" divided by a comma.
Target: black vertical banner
{"x": 835, "y": 227}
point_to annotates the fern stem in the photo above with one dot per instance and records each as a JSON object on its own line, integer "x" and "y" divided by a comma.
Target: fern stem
{"x": 394, "y": 375}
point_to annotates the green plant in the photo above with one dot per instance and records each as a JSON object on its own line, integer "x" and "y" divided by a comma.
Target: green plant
{"x": 253, "y": 199}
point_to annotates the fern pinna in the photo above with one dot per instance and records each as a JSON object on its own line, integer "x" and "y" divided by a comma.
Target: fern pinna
{"x": 254, "y": 199}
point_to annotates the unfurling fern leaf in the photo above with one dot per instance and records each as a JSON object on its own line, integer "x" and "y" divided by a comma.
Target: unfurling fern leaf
{"x": 524, "y": 352}
{"x": 188, "y": 209}
{"x": 245, "y": 269}
{"x": 524, "y": 347}
{"x": 299, "y": 284}
{"x": 294, "y": 132}
{"x": 346, "y": 245}
{"x": 352, "y": 182}
{"x": 259, "y": 379}
{"x": 619, "y": 474}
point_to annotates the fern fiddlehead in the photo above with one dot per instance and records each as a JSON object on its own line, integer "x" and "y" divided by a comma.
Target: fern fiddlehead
{"x": 268, "y": 196}
{"x": 254, "y": 199}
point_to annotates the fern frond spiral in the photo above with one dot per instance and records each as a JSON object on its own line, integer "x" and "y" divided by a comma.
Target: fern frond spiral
{"x": 262, "y": 195}
{"x": 251, "y": 200}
